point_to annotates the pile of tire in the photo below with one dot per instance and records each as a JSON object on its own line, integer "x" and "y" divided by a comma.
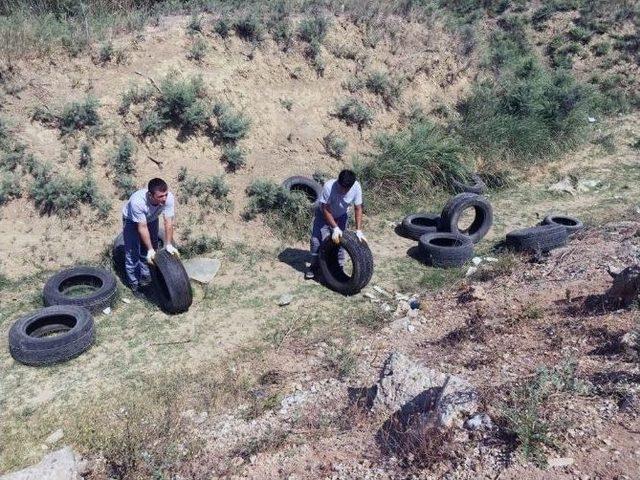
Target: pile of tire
{"x": 65, "y": 327}
{"x": 441, "y": 241}
{"x": 553, "y": 232}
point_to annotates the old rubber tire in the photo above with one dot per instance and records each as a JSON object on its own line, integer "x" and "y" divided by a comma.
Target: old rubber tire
{"x": 446, "y": 250}
{"x": 56, "y": 290}
{"x": 308, "y": 186}
{"x": 332, "y": 273}
{"x": 475, "y": 185}
{"x": 571, "y": 224}
{"x": 171, "y": 283}
{"x": 31, "y": 342}
{"x": 454, "y": 208}
{"x": 541, "y": 238}
{"x": 417, "y": 224}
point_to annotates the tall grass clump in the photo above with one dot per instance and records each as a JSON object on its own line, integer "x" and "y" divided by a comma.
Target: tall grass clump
{"x": 249, "y": 28}
{"x": 354, "y": 112}
{"x": 73, "y": 116}
{"x": 122, "y": 162}
{"x": 413, "y": 161}
{"x": 232, "y": 126}
{"x": 287, "y": 213}
{"x": 9, "y": 187}
{"x": 210, "y": 192}
{"x": 527, "y": 114}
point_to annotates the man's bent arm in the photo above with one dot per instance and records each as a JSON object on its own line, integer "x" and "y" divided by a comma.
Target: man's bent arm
{"x": 143, "y": 232}
{"x": 328, "y": 216}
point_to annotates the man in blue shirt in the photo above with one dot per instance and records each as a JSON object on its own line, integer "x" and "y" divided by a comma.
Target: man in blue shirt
{"x": 140, "y": 220}
{"x": 332, "y": 214}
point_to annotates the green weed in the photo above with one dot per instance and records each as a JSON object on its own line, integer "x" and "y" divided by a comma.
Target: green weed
{"x": 9, "y": 187}
{"x": 234, "y": 157}
{"x": 211, "y": 192}
{"x": 195, "y": 24}
{"x": 334, "y": 145}
{"x": 232, "y": 126}
{"x": 199, "y": 245}
{"x": 86, "y": 159}
{"x": 197, "y": 50}
{"x": 353, "y": 112}
{"x": 134, "y": 95}
{"x": 223, "y": 27}
{"x": 249, "y": 28}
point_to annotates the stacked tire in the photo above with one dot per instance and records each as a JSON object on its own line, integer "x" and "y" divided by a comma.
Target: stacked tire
{"x": 442, "y": 242}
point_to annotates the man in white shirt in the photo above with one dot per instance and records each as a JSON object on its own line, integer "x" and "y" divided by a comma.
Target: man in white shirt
{"x": 140, "y": 220}
{"x": 332, "y": 214}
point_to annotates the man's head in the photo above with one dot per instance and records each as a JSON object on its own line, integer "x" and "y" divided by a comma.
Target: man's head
{"x": 346, "y": 179}
{"x": 158, "y": 191}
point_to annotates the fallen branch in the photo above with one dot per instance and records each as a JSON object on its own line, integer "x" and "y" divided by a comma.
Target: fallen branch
{"x": 153, "y": 82}
{"x": 157, "y": 162}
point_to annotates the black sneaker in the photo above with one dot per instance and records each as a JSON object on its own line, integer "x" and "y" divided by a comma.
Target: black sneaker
{"x": 309, "y": 274}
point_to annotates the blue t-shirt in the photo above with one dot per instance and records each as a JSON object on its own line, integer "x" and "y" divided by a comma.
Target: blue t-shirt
{"x": 337, "y": 201}
{"x": 139, "y": 208}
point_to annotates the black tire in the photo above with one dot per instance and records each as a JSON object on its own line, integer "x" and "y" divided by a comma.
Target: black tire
{"x": 56, "y": 290}
{"x": 332, "y": 273}
{"x": 31, "y": 343}
{"x": 571, "y": 224}
{"x": 446, "y": 250}
{"x": 454, "y": 208}
{"x": 417, "y": 224}
{"x": 171, "y": 283}
{"x": 541, "y": 238}
{"x": 475, "y": 185}
{"x": 308, "y": 186}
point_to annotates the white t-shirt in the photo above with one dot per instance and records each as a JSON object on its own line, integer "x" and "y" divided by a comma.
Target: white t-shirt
{"x": 339, "y": 203}
{"x": 139, "y": 208}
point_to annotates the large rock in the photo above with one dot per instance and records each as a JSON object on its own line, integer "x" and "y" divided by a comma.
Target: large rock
{"x": 202, "y": 270}
{"x": 408, "y": 389}
{"x": 626, "y": 286}
{"x": 62, "y": 464}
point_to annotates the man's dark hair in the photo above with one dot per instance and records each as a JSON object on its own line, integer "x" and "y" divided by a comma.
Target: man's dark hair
{"x": 157, "y": 185}
{"x": 346, "y": 179}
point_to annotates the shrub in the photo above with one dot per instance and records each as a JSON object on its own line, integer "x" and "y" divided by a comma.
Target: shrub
{"x": 601, "y": 49}
{"x": 195, "y": 24}
{"x": 133, "y": 96}
{"x": 353, "y": 84}
{"x": 198, "y": 50}
{"x": 561, "y": 52}
{"x": 232, "y": 126}
{"x": 122, "y": 159}
{"x": 211, "y": 192}
{"x": 234, "y": 156}
{"x": 352, "y": 112}
{"x": 126, "y": 185}
{"x": 106, "y": 52}
{"x": 313, "y": 29}
{"x": 222, "y": 27}
{"x": 282, "y": 32}
{"x": 183, "y": 101}
{"x": 616, "y": 93}
{"x": 287, "y": 103}
{"x": 152, "y": 124}
{"x": 381, "y": 84}
{"x": 199, "y": 245}
{"x": 9, "y": 187}
{"x": 79, "y": 115}
{"x": 580, "y": 34}
{"x": 86, "y": 158}
{"x": 528, "y": 113}
{"x": 412, "y": 161}
{"x": 287, "y": 213}
{"x": 334, "y": 145}
{"x": 249, "y": 28}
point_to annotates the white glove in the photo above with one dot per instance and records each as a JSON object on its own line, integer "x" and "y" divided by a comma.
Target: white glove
{"x": 336, "y": 235}
{"x": 151, "y": 255}
{"x": 361, "y": 236}
{"x": 172, "y": 250}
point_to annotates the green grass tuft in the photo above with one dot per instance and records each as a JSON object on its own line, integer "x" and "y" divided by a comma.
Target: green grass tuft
{"x": 353, "y": 112}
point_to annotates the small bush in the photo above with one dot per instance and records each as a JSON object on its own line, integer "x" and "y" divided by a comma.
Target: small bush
{"x": 353, "y": 84}
{"x": 191, "y": 247}
{"x": 86, "y": 158}
{"x": 223, "y": 27}
{"x": 134, "y": 95}
{"x": 282, "y": 32}
{"x": 381, "y": 84}
{"x": 234, "y": 156}
{"x": 152, "y": 124}
{"x": 314, "y": 29}
{"x": 198, "y": 50}
{"x": 9, "y": 187}
{"x": 413, "y": 161}
{"x": 580, "y": 34}
{"x": 287, "y": 103}
{"x": 249, "y": 28}
{"x": 352, "y": 112}
{"x": 601, "y": 49}
{"x": 232, "y": 126}
{"x": 79, "y": 115}
{"x": 122, "y": 159}
{"x": 287, "y": 213}
{"x": 195, "y": 24}
{"x": 125, "y": 185}
{"x": 334, "y": 145}
{"x": 211, "y": 192}
{"x": 106, "y": 52}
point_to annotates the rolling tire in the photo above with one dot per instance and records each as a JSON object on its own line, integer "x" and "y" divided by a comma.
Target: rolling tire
{"x": 541, "y": 238}
{"x": 571, "y": 224}
{"x": 476, "y": 185}
{"x": 454, "y": 208}
{"x": 332, "y": 273}
{"x": 308, "y": 186}
{"x": 171, "y": 283}
{"x": 417, "y": 224}
{"x": 30, "y": 341}
{"x": 55, "y": 291}
{"x": 446, "y": 250}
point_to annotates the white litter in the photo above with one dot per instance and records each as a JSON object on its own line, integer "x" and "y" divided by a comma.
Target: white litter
{"x": 126, "y": 300}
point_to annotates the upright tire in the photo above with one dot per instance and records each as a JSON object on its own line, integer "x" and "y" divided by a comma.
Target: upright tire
{"x": 308, "y": 186}
{"x": 171, "y": 283}
{"x": 333, "y": 274}
{"x": 475, "y": 185}
{"x": 571, "y": 224}
{"x": 541, "y": 238}
{"x": 454, "y": 208}
{"x": 417, "y": 224}
{"x": 446, "y": 250}
{"x": 59, "y": 288}
{"x": 31, "y": 341}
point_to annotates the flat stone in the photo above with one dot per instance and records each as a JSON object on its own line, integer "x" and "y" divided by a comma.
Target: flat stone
{"x": 202, "y": 270}
{"x": 55, "y": 437}
{"x": 560, "y": 462}
{"x": 62, "y": 464}
{"x": 285, "y": 299}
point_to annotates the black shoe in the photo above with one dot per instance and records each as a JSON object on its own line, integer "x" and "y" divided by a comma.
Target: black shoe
{"x": 309, "y": 274}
